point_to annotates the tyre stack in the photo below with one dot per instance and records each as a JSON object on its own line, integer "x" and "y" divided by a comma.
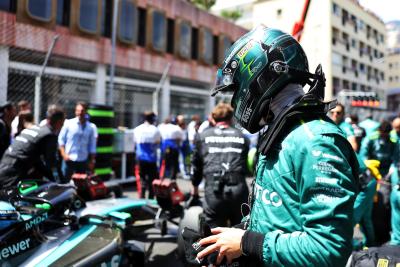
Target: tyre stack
{"x": 103, "y": 117}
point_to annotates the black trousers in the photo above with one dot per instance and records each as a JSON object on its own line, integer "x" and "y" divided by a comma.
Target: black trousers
{"x": 148, "y": 172}
{"x": 219, "y": 209}
{"x": 171, "y": 158}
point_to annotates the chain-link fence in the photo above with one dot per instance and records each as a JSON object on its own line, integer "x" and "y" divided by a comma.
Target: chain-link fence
{"x": 65, "y": 81}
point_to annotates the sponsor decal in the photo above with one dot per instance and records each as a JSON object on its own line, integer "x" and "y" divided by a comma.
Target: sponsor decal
{"x": 14, "y": 249}
{"x": 246, "y": 115}
{"x": 245, "y": 49}
{"x": 256, "y": 68}
{"x": 224, "y": 139}
{"x": 326, "y": 180}
{"x": 226, "y": 165}
{"x": 317, "y": 153}
{"x": 324, "y": 167}
{"x": 35, "y": 221}
{"x": 321, "y": 198}
{"x": 383, "y": 263}
{"x": 196, "y": 245}
{"x": 335, "y": 191}
{"x": 268, "y": 197}
{"x": 213, "y": 150}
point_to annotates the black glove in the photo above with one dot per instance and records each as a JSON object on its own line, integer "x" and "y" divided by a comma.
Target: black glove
{"x": 192, "y": 247}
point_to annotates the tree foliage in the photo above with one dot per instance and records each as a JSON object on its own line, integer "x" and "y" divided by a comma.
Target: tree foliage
{"x": 204, "y": 4}
{"x": 233, "y": 15}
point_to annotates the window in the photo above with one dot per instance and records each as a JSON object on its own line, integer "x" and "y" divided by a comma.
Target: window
{"x": 336, "y": 9}
{"x": 362, "y": 67}
{"x": 206, "y": 49}
{"x": 336, "y": 59}
{"x": 353, "y": 43}
{"x": 142, "y": 27}
{"x": 8, "y": 5}
{"x": 157, "y": 30}
{"x": 195, "y": 43}
{"x": 88, "y": 15}
{"x": 184, "y": 39}
{"x": 354, "y": 86}
{"x": 63, "y": 12}
{"x": 170, "y": 36}
{"x": 390, "y": 78}
{"x": 40, "y": 9}
{"x": 336, "y": 85}
{"x": 106, "y": 17}
{"x": 127, "y": 21}
{"x": 346, "y": 84}
{"x": 278, "y": 12}
{"x": 361, "y": 25}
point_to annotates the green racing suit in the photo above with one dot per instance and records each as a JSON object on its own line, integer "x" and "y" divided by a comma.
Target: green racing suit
{"x": 303, "y": 197}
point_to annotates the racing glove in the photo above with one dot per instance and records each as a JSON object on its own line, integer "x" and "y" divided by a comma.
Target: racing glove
{"x": 373, "y": 166}
{"x": 192, "y": 248}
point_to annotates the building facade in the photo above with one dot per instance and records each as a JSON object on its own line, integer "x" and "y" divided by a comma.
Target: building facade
{"x": 393, "y": 63}
{"x": 346, "y": 39}
{"x": 153, "y": 37}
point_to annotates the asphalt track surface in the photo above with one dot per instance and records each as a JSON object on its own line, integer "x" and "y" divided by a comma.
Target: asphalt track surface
{"x": 161, "y": 250}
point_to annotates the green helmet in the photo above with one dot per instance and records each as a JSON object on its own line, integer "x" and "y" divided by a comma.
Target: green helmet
{"x": 256, "y": 68}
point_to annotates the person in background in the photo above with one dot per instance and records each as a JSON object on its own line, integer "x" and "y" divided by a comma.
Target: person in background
{"x": 370, "y": 126}
{"x": 185, "y": 149}
{"x": 171, "y": 137}
{"x": 395, "y": 133}
{"x": 22, "y": 105}
{"x": 33, "y": 153}
{"x": 147, "y": 139}
{"x": 193, "y": 127}
{"x": 209, "y": 122}
{"x": 7, "y": 114}
{"x": 337, "y": 115}
{"x": 25, "y": 121}
{"x": 220, "y": 157}
{"x": 77, "y": 144}
{"x": 359, "y": 132}
{"x": 382, "y": 147}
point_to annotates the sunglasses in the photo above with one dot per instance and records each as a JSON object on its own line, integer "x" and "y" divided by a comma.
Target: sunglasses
{"x": 336, "y": 112}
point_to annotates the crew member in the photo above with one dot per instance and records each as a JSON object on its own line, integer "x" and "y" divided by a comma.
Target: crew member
{"x": 171, "y": 137}
{"x": 33, "y": 153}
{"x": 220, "y": 157}
{"x": 147, "y": 139}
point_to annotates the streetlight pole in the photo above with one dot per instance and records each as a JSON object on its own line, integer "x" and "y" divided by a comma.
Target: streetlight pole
{"x": 158, "y": 88}
{"x": 38, "y": 81}
{"x": 113, "y": 48}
